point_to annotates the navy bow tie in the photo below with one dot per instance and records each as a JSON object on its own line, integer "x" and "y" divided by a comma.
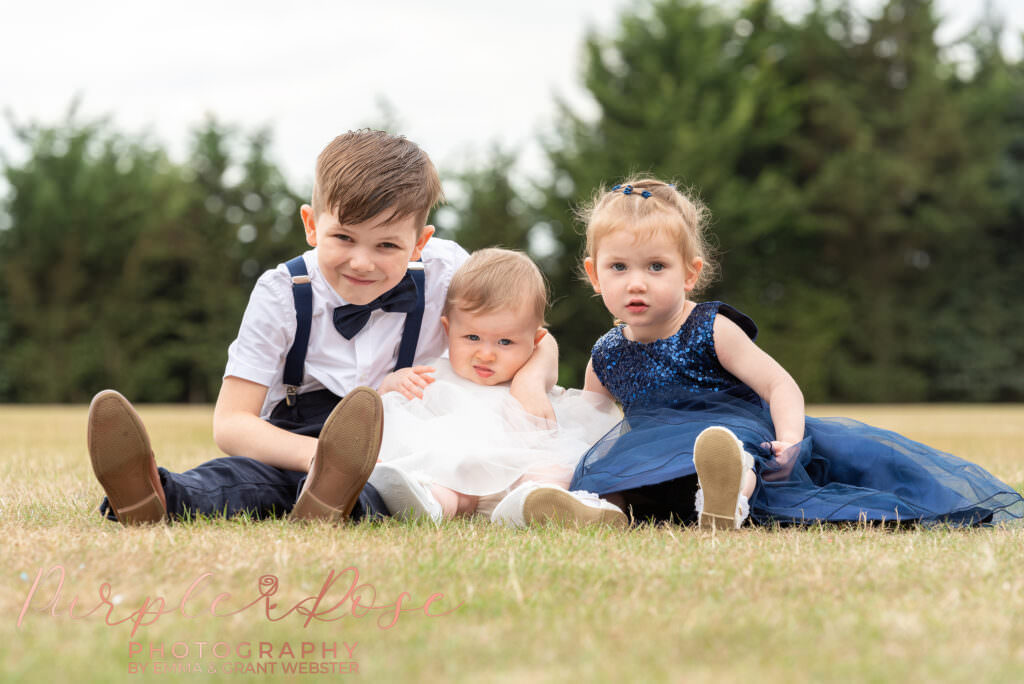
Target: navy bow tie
{"x": 350, "y": 318}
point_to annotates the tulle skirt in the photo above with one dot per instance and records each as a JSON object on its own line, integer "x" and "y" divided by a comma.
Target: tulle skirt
{"x": 843, "y": 470}
{"x": 478, "y": 440}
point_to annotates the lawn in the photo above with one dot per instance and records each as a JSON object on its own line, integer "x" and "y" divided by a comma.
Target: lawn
{"x": 86, "y": 600}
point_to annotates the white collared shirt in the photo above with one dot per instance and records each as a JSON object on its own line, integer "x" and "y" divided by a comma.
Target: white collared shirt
{"x": 332, "y": 362}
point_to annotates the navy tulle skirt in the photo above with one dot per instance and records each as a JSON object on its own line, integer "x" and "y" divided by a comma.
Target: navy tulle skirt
{"x": 843, "y": 470}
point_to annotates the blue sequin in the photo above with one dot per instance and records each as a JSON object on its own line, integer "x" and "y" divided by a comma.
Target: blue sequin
{"x": 659, "y": 373}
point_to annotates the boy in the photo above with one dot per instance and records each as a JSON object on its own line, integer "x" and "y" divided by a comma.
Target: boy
{"x": 329, "y": 324}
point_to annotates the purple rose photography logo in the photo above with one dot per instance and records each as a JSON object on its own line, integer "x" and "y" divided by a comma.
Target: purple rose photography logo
{"x": 343, "y": 595}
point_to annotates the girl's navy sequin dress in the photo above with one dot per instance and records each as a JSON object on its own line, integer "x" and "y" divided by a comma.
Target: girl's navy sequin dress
{"x": 843, "y": 470}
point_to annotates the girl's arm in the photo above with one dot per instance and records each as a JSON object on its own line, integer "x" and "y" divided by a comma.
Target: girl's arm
{"x": 538, "y": 375}
{"x": 592, "y": 384}
{"x": 740, "y": 356}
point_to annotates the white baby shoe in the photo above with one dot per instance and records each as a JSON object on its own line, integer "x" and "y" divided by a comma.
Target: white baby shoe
{"x": 406, "y": 495}
{"x": 721, "y": 464}
{"x": 533, "y": 503}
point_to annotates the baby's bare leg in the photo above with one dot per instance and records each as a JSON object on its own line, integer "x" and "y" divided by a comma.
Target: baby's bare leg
{"x": 555, "y": 475}
{"x": 453, "y": 503}
{"x": 448, "y": 498}
{"x": 467, "y": 504}
{"x": 485, "y": 504}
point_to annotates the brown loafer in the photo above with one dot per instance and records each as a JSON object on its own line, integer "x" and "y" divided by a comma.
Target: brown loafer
{"x": 346, "y": 453}
{"x": 123, "y": 460}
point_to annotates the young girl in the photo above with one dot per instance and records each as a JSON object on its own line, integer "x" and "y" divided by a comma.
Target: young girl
{"x": 712, "y": 421}
{"x": 459, "y": 443}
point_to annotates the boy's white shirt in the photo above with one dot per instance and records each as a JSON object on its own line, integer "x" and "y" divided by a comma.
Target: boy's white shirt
{"x": 332, "y": 362}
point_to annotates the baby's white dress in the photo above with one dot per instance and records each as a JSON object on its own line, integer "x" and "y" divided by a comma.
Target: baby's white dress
{"x": 478, "y": 440}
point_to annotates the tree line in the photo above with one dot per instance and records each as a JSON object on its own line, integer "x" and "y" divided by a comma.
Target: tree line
{"x": 865, "y": 185}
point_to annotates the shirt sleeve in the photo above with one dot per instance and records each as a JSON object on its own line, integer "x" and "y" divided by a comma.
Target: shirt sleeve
{"x": 266, "y": 333}
{"x": 441, "y": 262}
{"x": 444, "y": 259}
{"x": 450, "y": 259}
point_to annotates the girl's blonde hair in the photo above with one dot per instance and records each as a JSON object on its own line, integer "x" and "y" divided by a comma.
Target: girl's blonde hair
{"x": 647, "y": 207}
{"x": 495, "y": 278}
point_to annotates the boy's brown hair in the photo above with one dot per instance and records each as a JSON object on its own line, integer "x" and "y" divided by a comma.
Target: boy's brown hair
{"x": 363, "y": 173}
{"x": 495, "y": 278}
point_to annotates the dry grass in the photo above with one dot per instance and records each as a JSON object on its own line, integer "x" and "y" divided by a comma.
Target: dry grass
{"x": 652, "y": 604}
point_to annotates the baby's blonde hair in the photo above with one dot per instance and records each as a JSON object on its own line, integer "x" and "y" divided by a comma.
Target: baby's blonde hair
{"x": 495, "y": 278}
{"x": 650, "y": 207}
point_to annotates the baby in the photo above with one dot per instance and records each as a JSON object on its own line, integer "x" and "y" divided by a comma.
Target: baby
{"x": 461, "y": 444}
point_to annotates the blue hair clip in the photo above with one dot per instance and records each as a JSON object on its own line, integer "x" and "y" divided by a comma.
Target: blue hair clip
{"x": 628, "y": 190}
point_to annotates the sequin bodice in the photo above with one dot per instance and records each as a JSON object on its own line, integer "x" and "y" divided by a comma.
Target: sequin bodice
{"x": 657, "y": 374}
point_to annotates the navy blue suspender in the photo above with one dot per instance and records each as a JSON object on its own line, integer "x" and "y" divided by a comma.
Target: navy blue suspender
{"x": 295, "y": 362}
{"x": 302, "y": 291}
{"x": 413, "y": 319}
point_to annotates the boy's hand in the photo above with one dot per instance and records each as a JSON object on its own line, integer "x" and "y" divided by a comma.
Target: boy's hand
{"x": 533, "y": 400}
{"x": 408, "y": 381}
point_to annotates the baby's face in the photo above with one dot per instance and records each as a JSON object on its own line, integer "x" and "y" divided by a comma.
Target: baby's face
{"x": 489, "y": 348}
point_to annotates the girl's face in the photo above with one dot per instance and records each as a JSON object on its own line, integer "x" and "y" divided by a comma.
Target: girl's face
{"x": 490, "y": 348}
{"x": 643, "y": 282}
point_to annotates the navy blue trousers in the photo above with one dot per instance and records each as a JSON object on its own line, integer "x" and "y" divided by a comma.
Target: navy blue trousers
{"x": 236, "y": 485}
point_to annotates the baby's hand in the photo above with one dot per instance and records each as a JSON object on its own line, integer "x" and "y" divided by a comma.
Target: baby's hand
{"x": 408, "y": 381}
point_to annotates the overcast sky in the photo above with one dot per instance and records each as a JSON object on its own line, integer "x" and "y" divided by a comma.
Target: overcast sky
{"x": 459, "y": 74}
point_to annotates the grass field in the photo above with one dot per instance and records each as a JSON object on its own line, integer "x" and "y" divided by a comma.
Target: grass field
{"x": 550, "y": 604}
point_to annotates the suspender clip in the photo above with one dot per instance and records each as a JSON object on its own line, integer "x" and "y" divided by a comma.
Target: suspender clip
{"x": 290, "y": 391}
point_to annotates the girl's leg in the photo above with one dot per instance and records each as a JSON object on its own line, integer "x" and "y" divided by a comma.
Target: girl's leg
{"x": 616, "y": 498}
{"x": 669, "y": 501}
{"x": 749, "y": 482}
{"x": 725, "y": 472}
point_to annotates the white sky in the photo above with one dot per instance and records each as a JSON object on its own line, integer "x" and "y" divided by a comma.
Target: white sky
{"x": 459, "y": 74}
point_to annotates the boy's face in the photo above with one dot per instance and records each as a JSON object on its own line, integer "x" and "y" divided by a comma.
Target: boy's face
{"x": 362, "y": 261}
{"x": 489, "y": 348}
